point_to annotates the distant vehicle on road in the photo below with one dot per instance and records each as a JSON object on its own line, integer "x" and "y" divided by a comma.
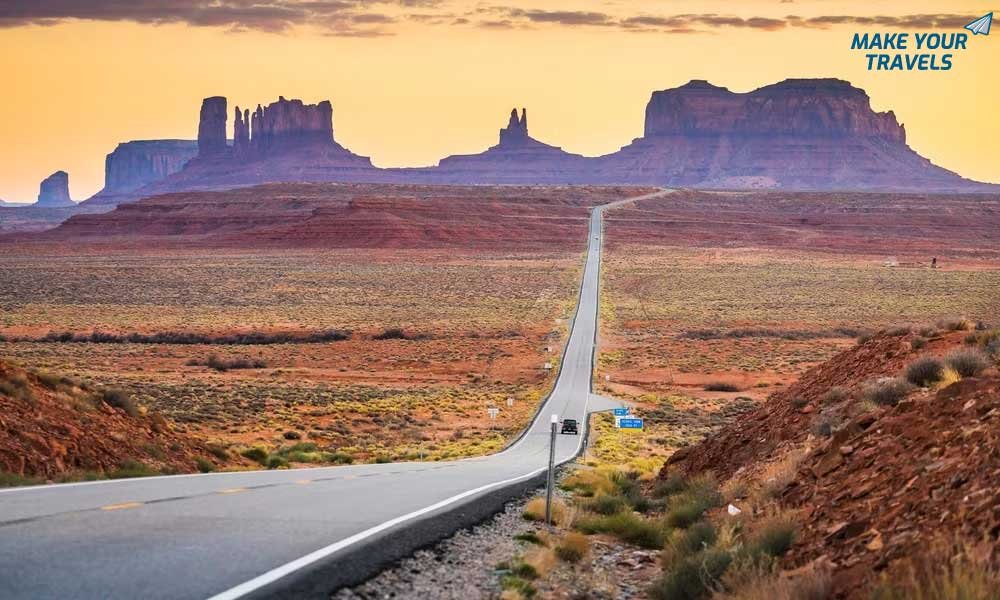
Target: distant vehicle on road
{"x": 569, "y": 426}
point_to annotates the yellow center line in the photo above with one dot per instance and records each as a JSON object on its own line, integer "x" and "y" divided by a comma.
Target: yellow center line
{"x": 121, "y": 506}
{"x": 232, "y": 490}
{"x": 304, "y": 481}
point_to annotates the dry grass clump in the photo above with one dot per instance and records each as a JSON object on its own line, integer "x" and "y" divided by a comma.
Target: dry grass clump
{"x": 956, "y": 324}
{"x": 925, "y": 371}
{"x": 941, "y": 574}
{"x": 573, "y": 547}
{"x": 534, "y": 510}
{"x": 886, "y": 391}
{"x": 765, "y": 583}
{"x": 968, "y": 362}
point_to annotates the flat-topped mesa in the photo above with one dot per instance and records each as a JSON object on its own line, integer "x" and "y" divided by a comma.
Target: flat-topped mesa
{"x": 291, "y": 124}
{"x": 807, "y": 107}
{"x": 134, "y": 164}
{"x": 517, "y": 128}
{"x": 212, "y": 127}
{"x": 54, "y": 191}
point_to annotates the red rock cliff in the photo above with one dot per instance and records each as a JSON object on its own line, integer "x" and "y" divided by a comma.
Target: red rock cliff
{"x": 54, "y": 191}
{"x": 807, "y": 107}
{"x": 137, "y": 163}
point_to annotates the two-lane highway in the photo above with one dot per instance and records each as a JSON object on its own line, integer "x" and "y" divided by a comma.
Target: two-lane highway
{"x": 227, "y": 535}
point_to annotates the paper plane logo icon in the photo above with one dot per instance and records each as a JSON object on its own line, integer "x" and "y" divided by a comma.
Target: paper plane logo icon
{"x": 981, "y": 25}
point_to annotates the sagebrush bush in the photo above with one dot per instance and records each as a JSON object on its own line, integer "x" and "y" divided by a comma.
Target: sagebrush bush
{"x": 774, "y": 536}
{"x": 918, "y": 342}
{"x": 968, "y": 362}
{"x": 120, "y": 398}
{"x": 925, "y": 371}
{"x": 835, "y": 394}
{"x": 887, "y": 391}
{"x": 606, "y": 504}
{"x": 692, "y": 578}
{"x": 721, "y": 386}
{"x": 626, "y": 526}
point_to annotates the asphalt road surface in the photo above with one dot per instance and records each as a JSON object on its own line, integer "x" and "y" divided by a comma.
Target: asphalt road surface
{"x": 229, "y": 535}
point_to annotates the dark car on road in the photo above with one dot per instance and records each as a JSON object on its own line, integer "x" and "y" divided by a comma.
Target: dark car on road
{"x": 569, "y": 426}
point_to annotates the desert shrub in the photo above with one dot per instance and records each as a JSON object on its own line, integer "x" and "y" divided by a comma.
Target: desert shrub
{"x": 254, "y": 338}
{"x": 955, "y": 324}
{"x": 518, "y": 586}
{"x": 219, "y": 452}
{"x": 692, "y": 578}
{"x": 928, "y": 332}
{"x": 16, "y": 387}
{"x": 626, "y": 526}
{"x": 687, "y": 542}
{"x": 749, "y": 581}
{"x": 534, "y": 510}
{"x": 49, "y": 380}
{"x": 276, "y": 461}
{"x": 834, "y": 394}
{"x": 341, "y": 458}
{"x": 993, "y": 348}
{"x": 971, "y": 339}
{"x": 382, "y": 459}
{"x": 925, "y": 371}
{"x": 392, "y": 333}
{"x": 222, "y": 364}
{"x": 204, "y": 465}
{"x": 968, "y": 362}
{"x": 13, "y": 479}
{"x": 530, "y": 537}
{"x": 606, "y": 504}
{"x": 826, "y": 422}
{"x": 573, "y": 547}
{"x": 774, "y": 537}
{"x": 948, "y": 578}
{"x": 524, "y": 570}
{"x": 672, "y": 484}
{"x": 131, "y": 468}
{"x": 898, "y": 330}
{"x": 292, "y": 435}
{"x": 887, "y": 391}
{"x": 687, "y": 507}
{"x": 918, "y": 342}
{"x": 720, "y": 386}
{"x": 120, "y": 398}
{"x": 256, "y": 454}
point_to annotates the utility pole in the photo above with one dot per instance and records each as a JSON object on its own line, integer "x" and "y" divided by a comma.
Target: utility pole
{"x": 550, "y": 480}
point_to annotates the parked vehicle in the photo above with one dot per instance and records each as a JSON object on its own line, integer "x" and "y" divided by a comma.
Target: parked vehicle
{"x": 569, "y": 426}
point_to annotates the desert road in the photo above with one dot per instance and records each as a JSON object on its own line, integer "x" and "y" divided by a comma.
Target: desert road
{"x": 262, "y": 533}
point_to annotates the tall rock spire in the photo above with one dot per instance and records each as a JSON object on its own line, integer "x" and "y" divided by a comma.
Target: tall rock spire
{"x": 517, "y": 128}
{"x": 212, "y": 127}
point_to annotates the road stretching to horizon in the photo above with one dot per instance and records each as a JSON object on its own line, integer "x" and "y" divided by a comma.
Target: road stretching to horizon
{"x": 228, "y": 535}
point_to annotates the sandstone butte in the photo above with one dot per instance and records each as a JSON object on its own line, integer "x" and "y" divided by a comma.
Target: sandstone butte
{"x": 798, "y": 134}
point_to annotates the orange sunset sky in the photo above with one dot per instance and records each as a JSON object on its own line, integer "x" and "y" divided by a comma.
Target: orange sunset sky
{"x": 412, "y": 81}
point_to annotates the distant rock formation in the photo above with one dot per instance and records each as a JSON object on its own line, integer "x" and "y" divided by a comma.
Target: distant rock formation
{"x": 54, "y": 191}
{"x": 806, "y": 134}
{"x": 138, "y": 163}
{"x": 798, "y": 134}
{"x": 517, "y": 158}
{"x": 517, "y": 129}
{"x": 286, "y": 140}
{"x": 212, "y": 127}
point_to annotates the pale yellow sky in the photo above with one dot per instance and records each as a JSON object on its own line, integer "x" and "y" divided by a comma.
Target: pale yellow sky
{"x": 442, "y": 77}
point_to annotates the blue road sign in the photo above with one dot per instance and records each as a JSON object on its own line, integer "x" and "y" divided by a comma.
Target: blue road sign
{"x": 630, "y": 423}
{"x": 621, "y": 412}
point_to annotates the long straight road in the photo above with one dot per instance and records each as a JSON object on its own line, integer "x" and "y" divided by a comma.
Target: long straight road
{"x": 230, "y": 535}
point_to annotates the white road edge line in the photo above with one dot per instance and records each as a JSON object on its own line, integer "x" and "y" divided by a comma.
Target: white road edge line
{"x": 286, "y": 569}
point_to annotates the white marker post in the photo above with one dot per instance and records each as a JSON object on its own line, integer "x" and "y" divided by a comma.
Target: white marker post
{"x": 550, "y": 479}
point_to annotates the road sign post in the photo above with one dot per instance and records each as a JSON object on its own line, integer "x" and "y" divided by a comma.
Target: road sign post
{"x": 550, "y": 479}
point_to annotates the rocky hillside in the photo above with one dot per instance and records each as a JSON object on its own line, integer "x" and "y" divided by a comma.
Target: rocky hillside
{"x": 886, "y": 451}
{"x": 53, "y": 427}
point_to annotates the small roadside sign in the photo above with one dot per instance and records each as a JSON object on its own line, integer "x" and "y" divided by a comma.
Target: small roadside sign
{"x": 630, "y": 423}
{"x": 510, "y": 402}
{"x": 621, "y": 412}
{"x": 494, "y": 411}
{"x": 548, "y": 366}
